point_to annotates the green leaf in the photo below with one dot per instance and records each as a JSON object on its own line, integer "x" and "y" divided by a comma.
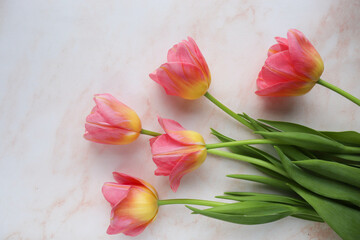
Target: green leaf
{"x": 250, "y": 196}
{"x": 346, "y": 158}
{"x": 322, "y": 186}
{"x": 305, "y": 140}
{"x": 344, "y": 220}
{"x": 333, "y": 170}
{"x": 249, "y": 219}
{"x": 293, "y": 152}
{"x": 314, "y": 218}
{"x": 346, "y": 137}
{"x": 247, "y": 150}
{"x": 261, "y": 179}
{"x": 293, "y": 127}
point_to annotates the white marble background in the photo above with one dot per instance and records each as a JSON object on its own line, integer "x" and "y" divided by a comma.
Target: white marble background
{"x": 56, "y": 54}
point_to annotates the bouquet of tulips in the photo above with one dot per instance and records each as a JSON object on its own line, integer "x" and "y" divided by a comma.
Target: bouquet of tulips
{"x": 317, "y": 173}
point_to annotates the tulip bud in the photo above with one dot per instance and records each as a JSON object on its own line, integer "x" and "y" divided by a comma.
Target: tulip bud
{"x": 292, "y": 68}
{"x": 186, "y": 73}
{"x": 177, "y": 152}
{"x": 134, "y": 204}
{"x": 111, "y": 122}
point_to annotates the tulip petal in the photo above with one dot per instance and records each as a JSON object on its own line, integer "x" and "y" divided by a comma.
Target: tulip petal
{"x": 136, "y": 231}
{"x": 166, "y": 163}
{"x": 181, "y": 79}
{"x": 114, "y": 193}
{"x": 279, "y": 47}
{"x": 189, "y": 52}
{"x": 187, "y": 163}
{"x": 181, "y": 53}
{"x": 285, "y": 89}
{"x": 119, "y": 225}
{"x": 195, "y": 49}
{"x": 117, "y": 113}
{"x": 108, "y": 134}
{"x": 125, "y": 179}
{"x": 164, "y": 144}
{"x": 305, "y": 59}
{"x": 280, "y": 69}
{"x": 178, "y": 133}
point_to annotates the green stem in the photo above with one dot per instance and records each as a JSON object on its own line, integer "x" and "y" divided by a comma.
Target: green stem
{"x": 242, "y": 142}
{"x": 150, "y": 133}
{"x": 339, "y": 91}
{"x": 190, "y": 201}
{"x": 244, "y": 158}
{"x": 228, "y": 111}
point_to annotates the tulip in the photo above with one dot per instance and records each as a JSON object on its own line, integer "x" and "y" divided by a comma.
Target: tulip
{"x": 292, "y": 68}
{"x": 177, "y": 152}
{"x": 134, "y": 204}
{"x": 186, "y": 73}
{"x": 111, "y": 122}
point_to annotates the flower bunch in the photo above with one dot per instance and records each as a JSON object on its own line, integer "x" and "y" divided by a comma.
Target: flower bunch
{"x": 319, "y": 169}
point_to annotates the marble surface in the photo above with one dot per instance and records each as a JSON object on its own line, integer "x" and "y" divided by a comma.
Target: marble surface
{"x": 56, "y": 54}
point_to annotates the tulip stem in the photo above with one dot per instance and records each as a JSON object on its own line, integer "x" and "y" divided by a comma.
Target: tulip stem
{"x": 339, "y": 91}
{"x": 150, "y": 133}
{"x": 228, "y": 111}
{"x": 190, "y": 201}
{"x": 244, "y": 158}
{"x": 242, "y": 142}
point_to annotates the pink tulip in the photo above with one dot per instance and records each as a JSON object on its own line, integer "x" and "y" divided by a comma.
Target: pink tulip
{"x": 111, "y": 122}
{"x": 134, "y": 204}
{"x": 177, "y": 152}
{"x": 186, "y": 73}
{"x": 292, "y": 68}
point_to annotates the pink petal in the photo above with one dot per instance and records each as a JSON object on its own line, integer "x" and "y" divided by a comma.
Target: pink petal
{"x": 125, "y": 179}
{"x": 165, "y": 145}
{"x": 119, "y": 224}
{"x": 136, "y": 230}
{"x": 181, "y": 53}
{"x": 285, "y": 89}
{"x": 305, "y": 59}
{"x": 178, "y": 133}
{"x": 280, "y": 65}
{"x": 114, "y": 193}
{"x": 282, "y": 45}
{"x": 195, "y": 49}
{"x": 108, "y": 134}
{"x": 187, "y": 163}
{"x": 181, "y": 79}
{"x": 166, "y": 163}
{"x": 116, "y": 113}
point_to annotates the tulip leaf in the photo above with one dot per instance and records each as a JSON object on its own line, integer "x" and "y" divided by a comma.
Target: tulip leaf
{"x": 339, "y": 157}
{"x": 293, "y": 127}
{"x": 252, "y": 208}
{"x": 315, "y": 218}
{"x": 247, "y": 150}
{"x": 305, "y": 140}
{"x": 333, "y": 170}
{"x": 344, "y": 220}
{"x": 261, "y": 179}
{"x": 346, "y": 137}
{"x": 322, "y": 186}
{"x": 249, "y": 196}
{"x": 294, "y": 153}
{"x": 248, "y": 219}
